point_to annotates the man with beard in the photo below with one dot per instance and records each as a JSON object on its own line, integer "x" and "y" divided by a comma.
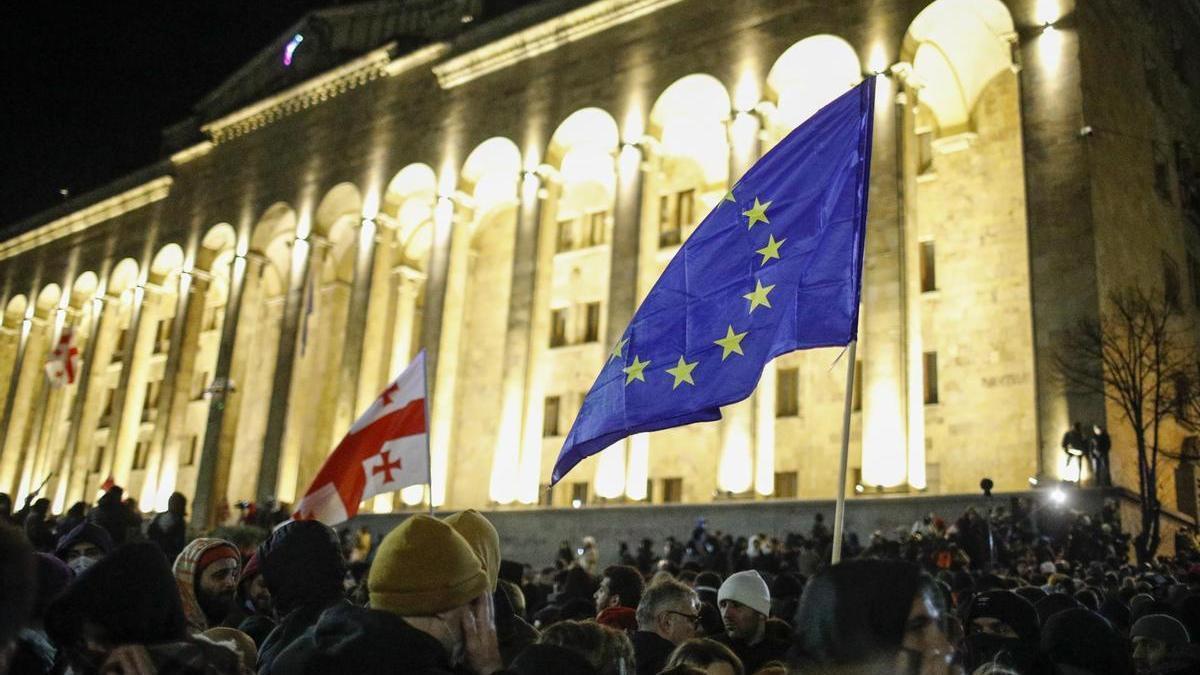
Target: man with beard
{"x": 1001, "y": 627}
{"x": 745, "y": 604}
{"x": 206, "y": 572}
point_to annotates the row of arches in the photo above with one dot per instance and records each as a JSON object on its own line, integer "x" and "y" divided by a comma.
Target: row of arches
{"x": 302, "y": 265}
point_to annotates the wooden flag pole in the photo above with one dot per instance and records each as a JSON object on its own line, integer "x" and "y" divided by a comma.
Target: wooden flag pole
{"x": 839, "y": 512}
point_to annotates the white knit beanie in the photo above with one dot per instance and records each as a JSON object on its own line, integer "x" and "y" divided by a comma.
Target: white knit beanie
{"x": 749, "y": 589}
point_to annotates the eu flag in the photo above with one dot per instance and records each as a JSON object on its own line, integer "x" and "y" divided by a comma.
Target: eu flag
{"x": 775, "y": 267}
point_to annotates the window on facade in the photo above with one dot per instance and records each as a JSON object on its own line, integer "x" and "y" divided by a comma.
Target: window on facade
{"x": 1162, "y": 172}
{"x": 212, "y": 317}
{"x": 1194, "y": 278}
{"x": 785, "y": 485}
{"x": 98, "y": 457}
{"x": 930, "y": 371}
{"x": 1172, "y": 286}
{"x": 141, "y": 454}
{"x": 685, "y": 204}
{"x": 110, "y": 397}
{"x": 579, "y": 494}
{"x": 672, "y": 490}
{"x": 669, "y": 233}
{"x": 118, "y": 354}
{"x": 191, "y": 448}
{"x": 856, "y": 395}
{"x": 199, "y": 384}
{"x": 550, "y": 415}
{"x": 566, "y": 235}
{"x": 162, "y": 336}
{"x": 150, "y": 402}
{"x": 928, "y": 267}
{"x": 596, "y": 227}
{"x": 787, "y": 392}
{"x": 925, "y": 151}
{"x": 558, "y": 327}
{"x": 591, "y": 325}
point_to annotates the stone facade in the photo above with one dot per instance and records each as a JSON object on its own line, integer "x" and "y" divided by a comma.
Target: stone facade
{"x": 503, "y": 194}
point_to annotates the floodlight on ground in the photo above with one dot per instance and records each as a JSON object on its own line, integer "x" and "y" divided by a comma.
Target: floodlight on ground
{"x": 1058, "y": 496}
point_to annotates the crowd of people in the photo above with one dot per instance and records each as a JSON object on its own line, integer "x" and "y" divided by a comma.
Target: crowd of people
{"x": 1001, "y": 589}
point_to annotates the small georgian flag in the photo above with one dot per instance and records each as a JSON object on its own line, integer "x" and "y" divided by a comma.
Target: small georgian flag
{"x": 63, "y": 362}
{"x": 385, "y": 450}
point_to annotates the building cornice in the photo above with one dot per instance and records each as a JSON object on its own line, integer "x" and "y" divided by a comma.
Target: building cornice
{"x": 78, "y": 221}
{"x": 350, "y": 75}
{"x": 188, "y": 154}
{"x": 416, "y": 59}
{"x": 543, "y": 37}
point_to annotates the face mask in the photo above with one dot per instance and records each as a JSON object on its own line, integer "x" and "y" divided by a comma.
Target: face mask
{"x": 78, "y": 565}
{"x": 983, "y": 648}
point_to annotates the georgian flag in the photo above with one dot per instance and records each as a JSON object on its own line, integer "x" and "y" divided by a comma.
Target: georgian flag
{"x": 385, "y": 450}
{"x": 64, "y": 360}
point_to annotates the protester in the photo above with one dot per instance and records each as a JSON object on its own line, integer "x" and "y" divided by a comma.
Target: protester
{"x": 304, "y": 570}
{"x": 35, "y": 653}
{"x": 38, "y": 528}
{"x": 125, "y": 613}
{"x": 871, "y": 613}
{"x": 608, "y": 651}
{"x": 169, "y": 528}
{"x": 513, "y": 632}
{"x": 430, "y": 612}
{"x": 84, "y": 546}
{"x": 745, "y": 604}
{"x": 667, "y": 616}
{"x": 206, "y": 572}
{"x": 17, "y": 583}
{"x": 1001, "y": 628}
{"x": 710, "y": 656}
{"x": 618, "y": 596}
{"x": 253, "y": 611}
{"x": 1154, "y": 637}
{"x": 1083, "y": 640}
{"x": 114, "y": 516}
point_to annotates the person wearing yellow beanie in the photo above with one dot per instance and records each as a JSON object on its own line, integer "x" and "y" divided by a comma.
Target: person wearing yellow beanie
{"x": 483, "y": 538}
{"x": 430, "y": 612}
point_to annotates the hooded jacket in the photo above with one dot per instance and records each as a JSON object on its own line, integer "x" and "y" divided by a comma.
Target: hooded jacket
{"x": 187, "y": 576}
{"x": 351, "y": 639}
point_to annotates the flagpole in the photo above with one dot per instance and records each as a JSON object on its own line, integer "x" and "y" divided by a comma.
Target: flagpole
{"x": 839, "y": 512}
{"x": 428, "y": 429}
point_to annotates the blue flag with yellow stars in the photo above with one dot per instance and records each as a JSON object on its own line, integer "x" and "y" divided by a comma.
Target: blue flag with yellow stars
{"x": 775, "y": 267}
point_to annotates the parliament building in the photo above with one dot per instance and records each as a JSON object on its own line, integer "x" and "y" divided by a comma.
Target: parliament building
{"x": 501, "y": 183}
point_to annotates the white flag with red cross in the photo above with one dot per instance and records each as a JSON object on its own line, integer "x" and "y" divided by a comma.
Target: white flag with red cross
{"x": 63, "y": 362}
{"x": 385, "y": 450}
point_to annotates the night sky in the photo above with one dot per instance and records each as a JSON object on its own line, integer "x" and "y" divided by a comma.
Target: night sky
{"x": 87, "y": 87}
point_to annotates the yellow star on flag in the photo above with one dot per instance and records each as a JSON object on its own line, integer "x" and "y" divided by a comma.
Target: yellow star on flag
{"x": 731, "y": 343}
{"x": 771, "y": 250}
{"x": 616, "y": 352}
{"x": 729, "y": 196}
{"x": 634, "y": 370}
{"x": 683, "y": 372}
{"x": 757, "y": 213}
{"x": 759, "y": 295}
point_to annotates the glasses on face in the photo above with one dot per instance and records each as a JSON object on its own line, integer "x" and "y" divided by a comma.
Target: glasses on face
{"x": 693, "y": 619}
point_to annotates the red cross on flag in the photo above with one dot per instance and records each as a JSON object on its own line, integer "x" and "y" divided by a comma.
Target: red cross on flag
{"x": 385, "y": 450}
{"x": 63, "y": 362}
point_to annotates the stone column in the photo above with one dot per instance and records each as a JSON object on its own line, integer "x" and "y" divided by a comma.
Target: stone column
{"x": 625, "y": 252}
{"x": 217, "y": 433}
{"x": 743, "y": 461}
{"x": 450, "y": 303}
{"x": 906, "y": 191}
{"x": 507, "y": 455}
{"x": 131, "y": 388}
{"x": 12, "y": 446}
{"x": 356, "y": 323}
{"x": 407, "y": 284}
{"x": 77, "y": 446}
{"x": 537, "y": 374}
{"x": 881, "y": 326}
{"x": 175, "y": 390}
{"x": 285, "y": 362}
